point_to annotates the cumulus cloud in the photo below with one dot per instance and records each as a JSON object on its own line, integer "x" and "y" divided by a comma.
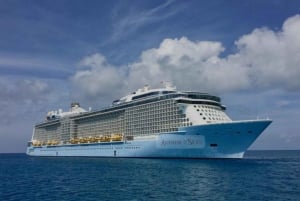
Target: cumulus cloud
{"x": 273, "y": 57}
{"x": 188, "y": 64}
{"x": 97, "y": 78}
{"x": 25, "y": 102}
{"x": 22, "y": 90}
{"x": 20, "y": 98}
{"x": 264, "y": 59}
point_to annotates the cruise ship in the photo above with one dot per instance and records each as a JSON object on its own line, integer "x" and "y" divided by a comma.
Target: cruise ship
{"x": 154, "y": 123}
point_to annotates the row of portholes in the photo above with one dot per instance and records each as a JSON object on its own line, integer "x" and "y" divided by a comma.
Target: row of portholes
{"x": 207, "y": 107}
{"x": 213, "y": 111}
{"x": 214, "y": 114}
{"x": 215, "y": 117}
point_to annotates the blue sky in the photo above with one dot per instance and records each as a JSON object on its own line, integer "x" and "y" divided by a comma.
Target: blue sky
{"x": 55, "y": 52}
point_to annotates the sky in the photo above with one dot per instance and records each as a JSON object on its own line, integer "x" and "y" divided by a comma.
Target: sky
{"x": 55, "y": 52}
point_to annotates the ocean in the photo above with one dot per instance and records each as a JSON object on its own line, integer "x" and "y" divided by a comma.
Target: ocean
{"x": 261, "y": 175}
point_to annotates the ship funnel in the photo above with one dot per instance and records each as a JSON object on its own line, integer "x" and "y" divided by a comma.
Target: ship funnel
{"x": 74, "y": 106}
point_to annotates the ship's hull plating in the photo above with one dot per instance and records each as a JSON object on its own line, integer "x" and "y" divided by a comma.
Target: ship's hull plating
{"x": 223, "y": 140}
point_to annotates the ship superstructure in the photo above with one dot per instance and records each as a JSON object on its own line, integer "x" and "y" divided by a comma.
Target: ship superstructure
{"x": 160, "y": 122}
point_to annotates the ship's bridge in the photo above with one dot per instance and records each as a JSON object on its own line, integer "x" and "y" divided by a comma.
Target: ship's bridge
{"x": 146, "y": 92}
{"x": 199, "y": 95}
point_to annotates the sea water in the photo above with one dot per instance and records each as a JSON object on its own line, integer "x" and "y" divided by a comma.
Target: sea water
{"x": 261, "y": 175}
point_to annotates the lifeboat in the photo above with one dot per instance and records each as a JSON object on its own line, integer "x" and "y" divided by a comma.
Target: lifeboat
{"x": 81, "y": 140}
{"x": 34, "y": 143}
{"x": 105, "y": 138}
{"x": 98, "y": 139}
{"x": 52, "y": 142}
{"x": 92, "y": 139}
{"x": 74, "y": 141}
{"x": 116, "y": 137}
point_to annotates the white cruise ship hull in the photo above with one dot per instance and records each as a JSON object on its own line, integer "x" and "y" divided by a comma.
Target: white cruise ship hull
{"x": 221, "y": 140}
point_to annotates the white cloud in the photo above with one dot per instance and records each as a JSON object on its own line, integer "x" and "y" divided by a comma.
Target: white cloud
{"x": 187, "y": 64}
{"x": 20, "y": 98}
{"x": 22, "y": 90}
{"x": 273, "y": 58}
{"x": 29, "y": 99}
{"x": 97, "y": 79}
{"x": 264, "y": 59}
{"x": 23, "y": 103}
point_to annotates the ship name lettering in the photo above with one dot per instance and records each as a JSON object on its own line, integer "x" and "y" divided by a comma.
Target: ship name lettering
{"x": 171, "y": 142}
{"x": 188, "y": 141}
